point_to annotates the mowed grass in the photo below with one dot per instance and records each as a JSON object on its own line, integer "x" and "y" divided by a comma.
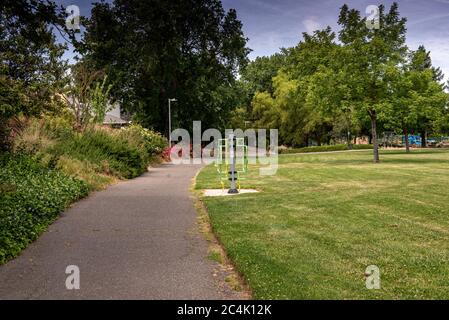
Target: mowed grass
{"x": 323, "y": 218}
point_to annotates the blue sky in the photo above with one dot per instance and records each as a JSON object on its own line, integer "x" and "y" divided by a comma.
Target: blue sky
{"x": 270, "y": 25}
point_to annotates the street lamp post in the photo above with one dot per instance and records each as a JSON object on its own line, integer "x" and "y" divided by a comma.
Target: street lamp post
{"x": 169, "y": 119}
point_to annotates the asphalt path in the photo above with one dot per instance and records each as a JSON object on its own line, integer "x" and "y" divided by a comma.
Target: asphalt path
{"x": 136, "y": 240}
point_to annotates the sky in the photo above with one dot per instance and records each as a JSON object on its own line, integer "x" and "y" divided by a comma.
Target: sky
{"x": 272, "y": 24}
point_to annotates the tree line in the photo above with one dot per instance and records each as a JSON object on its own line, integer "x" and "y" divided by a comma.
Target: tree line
{"x": 359, "y": 81}
{"x": 135, "y": 53}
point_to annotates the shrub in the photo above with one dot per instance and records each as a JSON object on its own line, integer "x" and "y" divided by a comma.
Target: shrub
{"x": 52, "y": 166}
{"x": 31, "y": 197}
{"x": 166, "y": 154}
{"x": 33, "y": 138}
{"x": 153, "y": 142}
{"x": 337, "y": 147}
{"x": 96, "y": 177}
{"x": 100, "y": 151}
{"x": 58, "y": 127}
{"x": 105, "y": 150}
{"x": 362, "y": 146}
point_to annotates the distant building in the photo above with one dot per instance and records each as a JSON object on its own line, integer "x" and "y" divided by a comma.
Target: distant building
{"x": 113, "y": 118}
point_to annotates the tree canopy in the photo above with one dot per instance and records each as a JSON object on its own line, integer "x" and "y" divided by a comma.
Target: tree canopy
{"x": 155, "y": 50}
{"x": 359, "y": 82}
{"x": 31, "y": 68}
{"x": 333, "y": 85}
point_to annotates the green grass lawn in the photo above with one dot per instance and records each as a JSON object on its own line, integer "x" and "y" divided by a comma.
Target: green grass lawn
{"x": 323, "y": 218}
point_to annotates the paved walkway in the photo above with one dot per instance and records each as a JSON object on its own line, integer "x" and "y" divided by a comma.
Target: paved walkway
{"x": 135, "y": 240}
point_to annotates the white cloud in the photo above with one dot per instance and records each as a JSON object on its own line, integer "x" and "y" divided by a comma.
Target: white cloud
{"x": 426, "y": 19}
{"x": 311, "y": 24}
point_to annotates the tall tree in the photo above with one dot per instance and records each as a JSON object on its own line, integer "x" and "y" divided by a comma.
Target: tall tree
{"x": 367, "y": 54}
{"x": 310, "y": 64}
{"x": 292, "y": 100}
{"x": 155, "y": 50}
{"x": 31, "y": 69}
{"x": 258, "y": 74}
{"x": 420, "y": 62}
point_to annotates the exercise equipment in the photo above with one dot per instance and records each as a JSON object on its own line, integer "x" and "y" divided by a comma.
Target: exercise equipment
{"x": 231, "y": 161}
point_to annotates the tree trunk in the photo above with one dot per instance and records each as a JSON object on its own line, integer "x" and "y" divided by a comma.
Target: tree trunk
{"x": 4, "y": 133}
{"x": 424, "y": 139}
{"x": 407, "y": 144}
{"x": 318, "y": 140}
{"x": 373, "y": 117}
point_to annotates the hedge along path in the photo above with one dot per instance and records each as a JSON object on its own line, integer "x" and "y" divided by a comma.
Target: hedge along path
{"x": 136, "y": 240}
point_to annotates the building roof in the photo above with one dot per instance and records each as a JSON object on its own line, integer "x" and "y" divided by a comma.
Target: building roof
{"x": 113, "y": 116}
{"x": 110, "y": 119}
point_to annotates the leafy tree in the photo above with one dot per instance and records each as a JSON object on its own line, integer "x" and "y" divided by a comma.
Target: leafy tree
{"x": 31, "y": 69}
{"x": 86, "y": 95}
{"x": 367, "y": 55}
{"x": 258, "y": 74}
{"x": 308, "y": 75}
{"x": 414, "y": 96}
{"x": 420, "y": 62}
{"x": 267, "y": 111}
{"x": 155, "y": 50}
{"x": 403, "y": 113}
{"x": 100, "y": 100}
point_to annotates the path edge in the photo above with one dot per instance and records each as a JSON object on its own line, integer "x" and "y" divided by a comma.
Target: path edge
{"x": 235, "y": 279}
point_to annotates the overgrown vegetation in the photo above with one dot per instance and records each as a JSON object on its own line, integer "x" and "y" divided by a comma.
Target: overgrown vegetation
{"x": 97, "y": 155}
{"x": 53, "y": 165}
{"x": 53, "y": 148}
{"x": 31, "y": 197}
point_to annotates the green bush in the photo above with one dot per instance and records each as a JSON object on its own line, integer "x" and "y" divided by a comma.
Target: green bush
{"x": 58, "y": 127}
{"x": 362, "y": 146}
{"x": 53, "y": 165}
{"x": 31, "y": 197}
{"x": 106, "y": 150}
{"x": 153, "y": 142}
{"x": 336, "y": 147}
{"x": 124, "y": 153}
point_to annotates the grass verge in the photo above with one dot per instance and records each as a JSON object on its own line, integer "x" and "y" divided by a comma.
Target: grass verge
{"x": 216, "y": 251}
